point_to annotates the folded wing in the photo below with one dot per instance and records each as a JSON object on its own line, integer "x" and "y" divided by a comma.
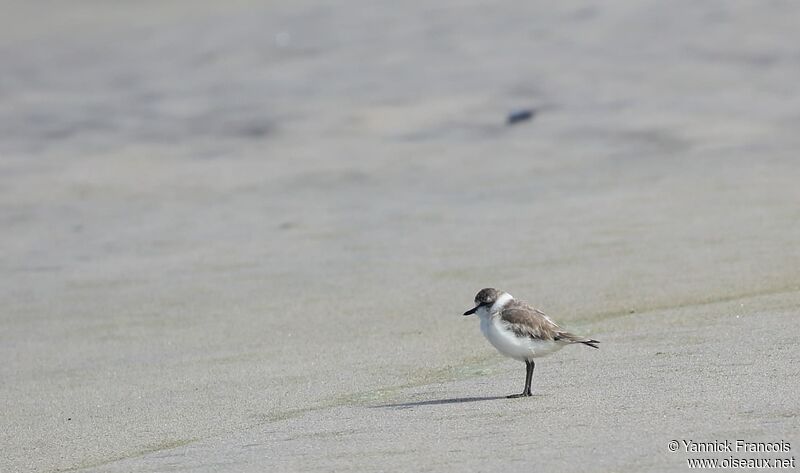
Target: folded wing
{"x": 527, "y": 321}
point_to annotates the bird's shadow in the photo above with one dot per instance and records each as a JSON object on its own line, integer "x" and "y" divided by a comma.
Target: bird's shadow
{"x": 435, "y": 402}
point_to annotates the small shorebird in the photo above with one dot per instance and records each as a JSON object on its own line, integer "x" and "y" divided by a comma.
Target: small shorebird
{"x": 520, "y": 331}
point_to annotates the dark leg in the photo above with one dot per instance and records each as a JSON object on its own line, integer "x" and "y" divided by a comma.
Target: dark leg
{"x": 528, "y": 375}
{"x": 529, "y": 365}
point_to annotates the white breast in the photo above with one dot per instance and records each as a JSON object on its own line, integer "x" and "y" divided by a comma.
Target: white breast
{"x": 507, "y": 342}
{"x": 504, "y": 340}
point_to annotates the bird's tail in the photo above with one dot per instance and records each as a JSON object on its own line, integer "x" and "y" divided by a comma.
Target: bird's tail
{"x": 591, "y": 343}
{"x": 572, "y": 338}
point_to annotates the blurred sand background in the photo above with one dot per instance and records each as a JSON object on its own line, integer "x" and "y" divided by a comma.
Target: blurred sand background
{"x": 238, "y": 236}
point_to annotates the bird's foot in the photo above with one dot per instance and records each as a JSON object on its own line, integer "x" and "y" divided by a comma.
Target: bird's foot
{"x": 514, "y": 396}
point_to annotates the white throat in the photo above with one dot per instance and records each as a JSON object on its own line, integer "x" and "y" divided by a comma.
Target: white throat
{"x": 502, "y": 301}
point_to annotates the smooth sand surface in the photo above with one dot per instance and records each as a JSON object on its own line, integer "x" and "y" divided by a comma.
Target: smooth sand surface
{"x": 240, "y": 237}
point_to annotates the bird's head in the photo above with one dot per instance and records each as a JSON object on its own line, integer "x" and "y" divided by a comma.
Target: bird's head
{"x": 485, "y": 298}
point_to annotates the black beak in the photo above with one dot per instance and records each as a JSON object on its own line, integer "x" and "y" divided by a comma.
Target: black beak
{"x": 472, "y": 311}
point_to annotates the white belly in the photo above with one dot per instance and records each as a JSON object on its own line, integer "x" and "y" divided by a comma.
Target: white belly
{"x": 519, "y": 348}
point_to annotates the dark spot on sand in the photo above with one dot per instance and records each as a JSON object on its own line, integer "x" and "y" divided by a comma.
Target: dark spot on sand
{"x": 520, "y": 116}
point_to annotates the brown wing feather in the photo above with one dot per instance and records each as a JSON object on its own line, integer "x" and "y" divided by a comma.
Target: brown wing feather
{"x": 525, "y": 320}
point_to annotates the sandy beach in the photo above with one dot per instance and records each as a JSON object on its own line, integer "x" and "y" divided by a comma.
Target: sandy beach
{"x": 240, "y": 237}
